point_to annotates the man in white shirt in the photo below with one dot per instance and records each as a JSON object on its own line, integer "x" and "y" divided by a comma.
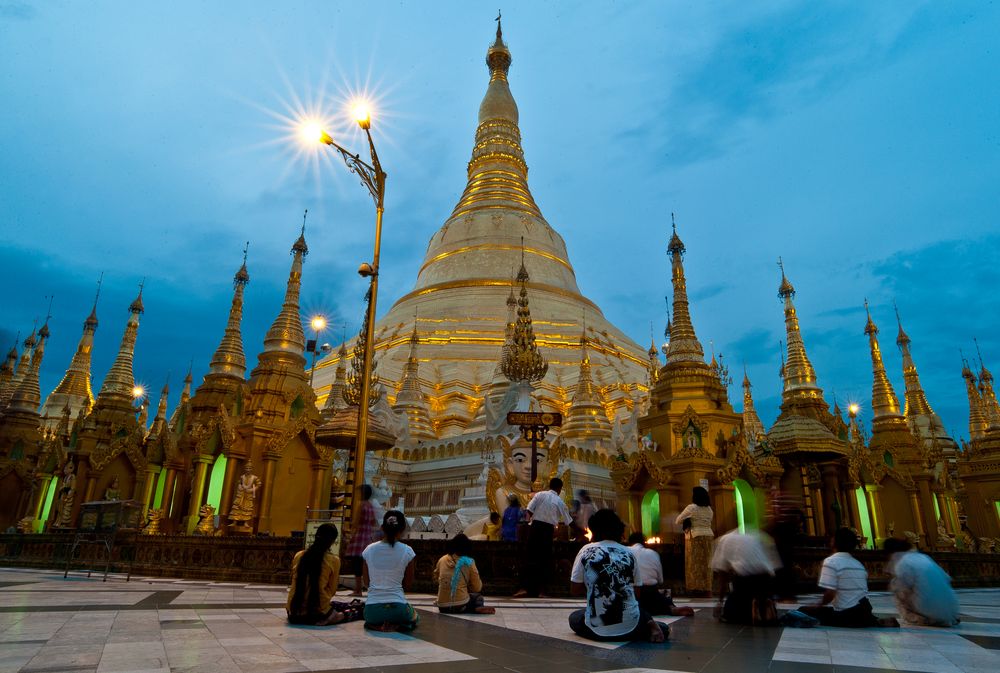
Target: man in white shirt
{"x": 607, "y": 571}
{"x": 845, "y": 588}
{"x": 545, "y": 511}
{"x": 651, "y": 598}
{"x": 744, "y": 565}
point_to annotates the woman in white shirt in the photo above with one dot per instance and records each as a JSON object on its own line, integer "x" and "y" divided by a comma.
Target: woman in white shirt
{"x": 698, "y": 538}
{"x": 388, "y": 572}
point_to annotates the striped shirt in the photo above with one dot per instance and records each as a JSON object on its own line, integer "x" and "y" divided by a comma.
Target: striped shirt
{"x": 844, "y": 574}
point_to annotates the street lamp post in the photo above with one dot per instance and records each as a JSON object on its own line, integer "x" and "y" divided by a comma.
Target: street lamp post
{"x": 373, "y": 178}
{"x": 318, "y": 323}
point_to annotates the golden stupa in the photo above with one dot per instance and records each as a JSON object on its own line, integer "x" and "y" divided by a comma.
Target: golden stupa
{"x": 439, "y": 346}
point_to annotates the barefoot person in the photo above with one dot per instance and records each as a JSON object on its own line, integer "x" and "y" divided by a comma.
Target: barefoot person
{"x": 845, "y": 588}
{"x": 361, "y": 537}
{"x": 315, "y": 576}
{"x": 388, "y": 572}
{"x": 545, "y": 511}
{"x": 651, "y": 597}
{"x": 606, "y": 571}
{"x": 921, "y": 587}
{"x": 457, "y": 577}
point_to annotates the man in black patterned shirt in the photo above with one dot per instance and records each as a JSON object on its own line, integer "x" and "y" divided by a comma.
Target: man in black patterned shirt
{"x": 607, "y": 571}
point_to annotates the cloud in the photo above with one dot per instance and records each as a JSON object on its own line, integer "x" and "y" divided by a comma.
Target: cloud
{"x": 17, "y": 11}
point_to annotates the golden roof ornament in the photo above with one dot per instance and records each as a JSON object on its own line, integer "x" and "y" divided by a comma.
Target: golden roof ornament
{"x": 884, "y": 400}
{"x": 497, "y": 172}
{"x": 285, "y": 335}
{"x": 916, "y": 400}
{"x": 991, "y": 406}
{"x": 523, "y": 362}
{"x": 229, "y": 359}
{"x": 977, "y": 416}
{"x": 352, "y": 390}
{"x": 797, "y": 371}
{"x": 684, "y": 345}
{"x": 75, "y": 387}
{"x": 120, "y": 380}
{"x": 28, "y": 395}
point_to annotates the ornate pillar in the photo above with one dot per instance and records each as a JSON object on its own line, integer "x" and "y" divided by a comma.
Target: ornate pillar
{"x": 168, "y": 491}
{"x": 226, "y": 499}
{"x": 315, "y": 497}
{"x": 850, "y": 497}
{"x": 264, "y": 513}
{"x": 200, "y": 462}
{"x": 152, "y": 471}
{"x": 918, "y": 518}
{"x": 807, "y": 502}
{"x": 874, "y": 510}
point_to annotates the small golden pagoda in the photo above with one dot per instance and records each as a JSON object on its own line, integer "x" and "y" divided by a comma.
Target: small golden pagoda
{"x": 979, "y": 462}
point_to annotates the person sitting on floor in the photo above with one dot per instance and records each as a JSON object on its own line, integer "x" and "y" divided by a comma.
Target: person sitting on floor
{"x": 744, "y": 565}
{"x": 606, "y": 571}
{"x": 388, "y": 572}
{"x": 457, "y": 577}
{"x": 651, "y": 597}
{"x": 315, "y": 576}
{"x": 845, "y": 588}
{"x": 922, "y": 588}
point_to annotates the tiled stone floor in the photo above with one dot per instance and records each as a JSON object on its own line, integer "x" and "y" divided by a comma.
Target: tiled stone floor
{"x": 81, "y": 625}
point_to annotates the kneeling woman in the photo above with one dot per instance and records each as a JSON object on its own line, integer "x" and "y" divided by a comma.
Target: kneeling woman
{"x": 457, "y": 577}
{"x": 388, "y": 572}
{"x": 315, "y": 576}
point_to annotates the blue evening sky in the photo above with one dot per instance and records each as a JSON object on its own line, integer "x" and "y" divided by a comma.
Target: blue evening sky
{"x": 859, "y": 141}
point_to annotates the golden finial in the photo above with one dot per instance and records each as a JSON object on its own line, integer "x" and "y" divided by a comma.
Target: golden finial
{"x": 91, "y": 320}
{"x": 44, "y": 332}
{"x": 786, "y": 289}
{"x": 675, "y": 246}
{"x": 300, "y": 244}
{"x": 242, "y": 276}
{"x": 499, "y": 30}
{"x": 136, "y": 306}
{"x": 871, "y": 328}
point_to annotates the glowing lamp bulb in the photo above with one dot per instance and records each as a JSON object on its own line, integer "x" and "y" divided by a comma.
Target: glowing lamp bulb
{"x": 137, "y": 392}
{"x": 312, "y": 132}
{"x": 362, "y": 114}
{"x": 854, "y": 408}
{"x": 318, "y": 322}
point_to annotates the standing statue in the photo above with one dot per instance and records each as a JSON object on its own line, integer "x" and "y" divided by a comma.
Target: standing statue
{"x": 112, "y": 492}
{"x": 242, "y": 510}
{"x": 67, "y": 496}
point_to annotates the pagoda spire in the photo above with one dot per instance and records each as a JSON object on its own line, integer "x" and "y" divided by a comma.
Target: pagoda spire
{"x": 587, "y": 418}
{"x": 335, "y": 400}
{"x": 285, "y": 339}
{"x": 977, "y": 417}
{"x": 120, "y": 380}
{"x": 654, "y": 361}
{"x": 753, "y": 429}
{"x": 497, "y": 173}
{"x": 523, "y": 362}
{"x": 885, "y": 404}
{"x": 28, "y": 395}
{"x": 916, "y": 400}
{"x": 990, "y": 405}
{"x": 7, "y": 373}
{"x": 684, "y": 345}
{"x": 229, "y": 360}
{"x": 75, "y": 387}
{"x": 797, "y": 371}
{"x": 410, "y": 399}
